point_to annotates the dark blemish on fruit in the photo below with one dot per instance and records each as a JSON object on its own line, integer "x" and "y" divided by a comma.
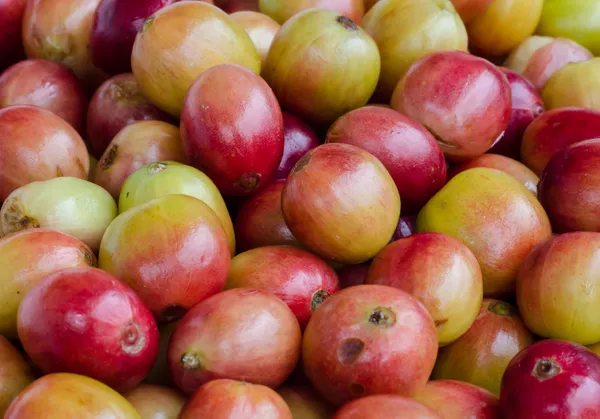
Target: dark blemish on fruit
{"x": 133, "y": 339}
{"x": 172, "y": 313}
{"x": 545, "y": 369}
{"x": 89, "y": 257}
{"x": 190, "y": 361}
{"x": 127, "y": 195}
{"x": 501, "y": 308}
{"x": 441, "y": 322}
{"x": 318, "y": 298}
{"x": 300, "y": 164}
{"x": 347, "y": 23}
{"x": 156, "y": 167}
{"x": 357, "y": 389}
{"x": 383, "y": 317}
{"x": 350, "y": 350}
{"x": 59, "y": 172}
{"x": 249, "y": 181}
{"x": 110, "y": 157}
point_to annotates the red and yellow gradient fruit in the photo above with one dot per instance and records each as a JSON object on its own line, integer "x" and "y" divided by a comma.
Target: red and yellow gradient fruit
{"x": 440, "y": 272}
{"x": 337, "y": 193}
{"x": 136, "y": 145}
{"x": 575, "y": 84}
{"x": 283, "y": 10}
{"x": 407, "y": 30}
{"x": 63, "y": 395}
{"x": 304, "y": 402}
{"x": 260, "y": 28}
{"x": 225, "y": 335}
{"x": 156, "y": 402}
{"x": 367, "y": 340}
{"x": 481, "y": 355}
{"x": 321, "y": 65}
{"x": 557, "y": 288}
{"x": 15, "y": 373}
{"x": 385, "y": 406}
{"x": 470, "y": 9}
{"x": 172, "y": 251}
{"x": 178, "y": 43}
{"x": 465, "y": 101}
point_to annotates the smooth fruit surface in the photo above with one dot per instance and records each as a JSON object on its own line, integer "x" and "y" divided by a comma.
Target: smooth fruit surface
{"x": 304, "y": 402}
{"x": 385, "y": 406}
{"x": 15, "y": 373}
{"x": 282, "y": 10}
{"x": 156, "y": 402}
{"x": 260, "y": 28}
{"x": 299, "y": 138}
{"x": 575, "y": 84}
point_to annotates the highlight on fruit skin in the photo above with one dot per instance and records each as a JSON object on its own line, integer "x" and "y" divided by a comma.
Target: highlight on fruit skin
{"x": 575, "y": 84}
{"x": 407, "y": 30}
{"x": 283, "y": 10}
{"x": 321, "y": 65}
{"x": 261, "y": 29}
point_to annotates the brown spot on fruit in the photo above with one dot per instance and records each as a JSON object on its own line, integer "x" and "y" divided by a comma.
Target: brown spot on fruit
{"x": 383, "y": 317}
{"x": 546, "y": 369}
{"x": 110, "y": 157}
{"x": 350, "y": 350}
{"x": 347, "y": 23}
{"x": 173, "y": 313}
{"x": 89, "y": 257}
{"x": 300, "y": 164}
{"x": 318, "y": 298}
{"x": 440, "y": 322}
{"x": 249, "y": 181}
{"x": 357, "y": 389}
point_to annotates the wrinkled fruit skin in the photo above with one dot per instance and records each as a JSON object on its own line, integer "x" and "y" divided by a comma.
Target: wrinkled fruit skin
{"x": 260, "y": 221}
{"x": 305, "y": 402}
{"x": 527, "y": 105}
{"x": 440, "y": 272}
{"x": 552, "y": 379}
{"x": 60, "y": 32}
{"x": 62, "y": 395}
{"x": 11, "y": 44}
{"x": 496, "y": 161}
{"x": 322, "y": 65}
{"x": 336, "y": 193}
{"x": 569, "y": 185}
{"x": 555, "y": 130}
{"x": 186, "y": 38}
{"x": 299, "y": 139}
{"x": 254, "y": 324}
{"x": 465, "y": 128}
{"x": 557, "y": 291}
{"x": 172, "y": 251}
{"x": 124, "y": 347}
{"x": 385, "y": 406}
{"x": 366, "y": 340}
{"x": 232, "y": 129}
{"x": 407, "y": 150}
{"x": 282, "y": 10}
{"x": 481, "y": 355}
{"x": 156, "y": 402}
{"x": 117, "y": 103}
{"x": 223, "y": 399}
{"x": 498, "y": 219}
{"x": 28, "y": 257}
{"x": 575, "y": 84}
{"x": 47, "y": 85}
{"x": 299, "y": 278}
{"x": 459, "y": 400}
{"x": 54, "y": 147}
{"x": 15, "y": 374}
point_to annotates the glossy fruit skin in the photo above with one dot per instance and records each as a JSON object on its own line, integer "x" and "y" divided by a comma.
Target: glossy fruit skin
{"x": 459, "y": 400}
{"x": 575, "y": 84}
{"x": 56, "y": 149}
{"x": 538, "y": 57}
{"x": 440, "y": 272}
{"x": 27, "y": 257}
{"x": 91, "y": 310}
{"x": 63, "y": 395}
{"x": 480, "y": 356}
{"x": 470, "y": 9}
{"x": 260, "y": 221}
{"x": 503, "y": 25}
{"x": 137, "y": 144}
{"x": 299, "y": 278}
{"x": 464, "y": 128}
{"x": 338, "y": 192}
{"x": 182, "y": 39}
{"x": 385, "y": 406}
{"x": 352, "y": 275}
{"x": 224, "y": 399}
{"x": 369, "y": 339}
{"x": 304, "y": 402}
{"x": 575, "y": 21}
{"x": 47, "y": 85}
{"x": 282, "y": 10}
{"x": 496, "y": 161}
{"x": 552, "y": 379}
{"x": 498, "y": 219}
{"x": 299, "y": 138}
{"x": 172, "y": 251}
{"x": 15, "y": 373}
{"x": 407, "y": 30}
{"x": 568, "y": 189}
{"x": 117, "y": 103}
{"x": 116, "y": 23}
{"x": 168, "y": 178}
{"x": 60, "y": 32}
{"x": 260, "y": 28}
{"x": 322, "y": 65}
{"x": 407, "y": 150}
{"x": 156, "y": 402}
{"x": 254, "y": 324}
{"x": 11, "y": 44}
{"x": 555, "y": 130}
{"x": 232, "y": 129}
{"x": 527, "y": 105}
{"x": 556, "y": 288}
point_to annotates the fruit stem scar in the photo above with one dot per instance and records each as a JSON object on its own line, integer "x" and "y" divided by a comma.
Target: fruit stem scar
{"x": 318, "y": 298}
{"x": 300, "y": 164}
{"x": 382, "y": 316}
{"x": 190, "y": 361}
{"x": 502, "y": 309}
{"x": 347, "y": 23}
{"x": 156, "y": 167}
{"x": 545, "y": 369}
{"x": 249, "y": 181}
